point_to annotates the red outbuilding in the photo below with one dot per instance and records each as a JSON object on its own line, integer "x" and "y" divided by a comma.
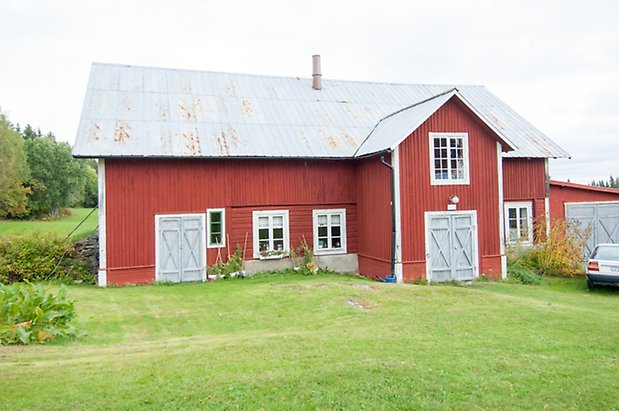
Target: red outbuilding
{"x": 419, "y": 181}
{"x": 595, "y": 208}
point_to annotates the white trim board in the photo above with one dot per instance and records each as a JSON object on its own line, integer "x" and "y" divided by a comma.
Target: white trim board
{"x": 102, "y": 273}
{"x": 395, "y": 163}
{"x": 499, "y": 149}
{"x": 589, "y": 202}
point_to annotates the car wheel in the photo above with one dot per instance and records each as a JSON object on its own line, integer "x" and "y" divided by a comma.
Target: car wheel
{"x": 590, "y": 284}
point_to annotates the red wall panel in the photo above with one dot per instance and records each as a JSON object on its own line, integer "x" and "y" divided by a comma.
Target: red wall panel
{"x": 561, "y": 193}
{"x": 524, "y": 178}
{"x": 418, "y": 196}
{"x": 374, "y": 217}
{"x": 137, "y": 189}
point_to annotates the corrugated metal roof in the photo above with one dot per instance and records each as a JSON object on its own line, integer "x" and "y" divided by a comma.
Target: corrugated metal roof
{"x": 393, "y": 129}
{"x": 141, "y": 111}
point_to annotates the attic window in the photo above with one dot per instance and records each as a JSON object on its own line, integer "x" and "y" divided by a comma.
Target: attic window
{"x": 449, "y": 158}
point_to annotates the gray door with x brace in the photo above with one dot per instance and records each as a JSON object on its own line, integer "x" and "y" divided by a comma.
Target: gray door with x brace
{"x": 451, "y": 246}
{"x": 181, "y": 253}
{"x": 600, "y": 220}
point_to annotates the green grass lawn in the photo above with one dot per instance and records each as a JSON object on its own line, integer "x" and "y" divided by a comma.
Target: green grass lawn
{"x": 60, "y": 226}
{"x": 293, "y": 342}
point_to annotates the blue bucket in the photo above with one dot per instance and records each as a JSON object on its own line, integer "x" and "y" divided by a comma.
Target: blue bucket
{"x": 389, "y": 278}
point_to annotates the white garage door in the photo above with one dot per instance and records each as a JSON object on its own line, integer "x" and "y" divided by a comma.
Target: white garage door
{"x": 181, "y": 254}
{"x": 451, "y": 246}
{"x": 602, "y": 218}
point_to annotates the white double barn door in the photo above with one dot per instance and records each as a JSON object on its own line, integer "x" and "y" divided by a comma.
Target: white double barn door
{"x": 180, "y": 248}
{"x": 451, "y": 246}
{"x": 599, "y": 220}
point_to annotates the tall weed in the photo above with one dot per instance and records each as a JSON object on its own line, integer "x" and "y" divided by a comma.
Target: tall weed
{"x": 560, "y": 253}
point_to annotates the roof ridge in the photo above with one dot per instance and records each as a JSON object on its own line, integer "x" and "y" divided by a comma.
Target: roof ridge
{"x": 288, "y": 77}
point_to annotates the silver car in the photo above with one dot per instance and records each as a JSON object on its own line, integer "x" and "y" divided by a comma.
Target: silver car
{"x": 603, "y": 265}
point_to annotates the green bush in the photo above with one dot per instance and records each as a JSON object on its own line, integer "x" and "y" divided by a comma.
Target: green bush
{"x": 519, "y": 273}
{"x": 34, "y": 258}
{"x": 31, "y": 314}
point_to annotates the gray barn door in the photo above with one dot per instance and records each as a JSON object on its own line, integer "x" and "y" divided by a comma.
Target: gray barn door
{"x": 602, "y": 219}
{"x": 181, "y": 252}
{"x": 451, "y": 247}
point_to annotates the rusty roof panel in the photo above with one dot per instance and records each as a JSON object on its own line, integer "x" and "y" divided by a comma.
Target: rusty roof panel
{"x": 143, "y": 111}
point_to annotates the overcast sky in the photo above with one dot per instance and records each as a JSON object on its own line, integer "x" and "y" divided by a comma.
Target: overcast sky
{"x": 555, "y": 62}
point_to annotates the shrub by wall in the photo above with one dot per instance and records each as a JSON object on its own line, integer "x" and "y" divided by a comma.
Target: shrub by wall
{"x": 35, "y": 257}
{"x": 559, "y": 254}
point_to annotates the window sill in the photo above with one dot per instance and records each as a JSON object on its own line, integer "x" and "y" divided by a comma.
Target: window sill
{"x": 329, "y": 252}
{"x": 450, "y": 183}
{"x": 520, "y": 243}
{"x": 271, "y": 257}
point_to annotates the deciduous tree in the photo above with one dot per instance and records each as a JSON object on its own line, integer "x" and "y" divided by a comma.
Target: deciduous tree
{"x": 13, "y": 171}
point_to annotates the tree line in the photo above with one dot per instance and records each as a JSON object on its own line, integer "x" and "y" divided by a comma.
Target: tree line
{"x": 38, "y": 175}
{"x": 613, "y": 182}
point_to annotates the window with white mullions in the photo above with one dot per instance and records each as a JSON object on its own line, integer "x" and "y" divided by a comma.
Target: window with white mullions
{"x": 449, "y": 162}
{"x": 216, "y": 235}
{"x": 329, "y": 231}
{"x": 519, "y": 222}
{"x": 270, "y": 233}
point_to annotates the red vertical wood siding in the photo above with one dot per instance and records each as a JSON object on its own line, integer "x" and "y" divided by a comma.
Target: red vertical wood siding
{"x": 417, "y": 195}
{"x": 561, "y": 193}
{"x": 524, "y": 179}
{"x": 137, "y": 189}
{"x": 374, "y": 216}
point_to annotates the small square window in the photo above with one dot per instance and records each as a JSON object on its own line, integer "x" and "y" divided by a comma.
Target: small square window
{"x": 216, "y": 227}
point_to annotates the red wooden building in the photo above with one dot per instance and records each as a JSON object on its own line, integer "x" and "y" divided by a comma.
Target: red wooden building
{"x": 595, "y": 208}
{"x": 421, "y": 181}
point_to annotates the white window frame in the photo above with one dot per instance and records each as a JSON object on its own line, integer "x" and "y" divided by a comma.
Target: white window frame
{"x": 210, "y": 211}
{"x": 270, "y": 213}
{"x": 330, "y": 212}
{"x": 465, "y": 151}
{"x": 519, "y": 205}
